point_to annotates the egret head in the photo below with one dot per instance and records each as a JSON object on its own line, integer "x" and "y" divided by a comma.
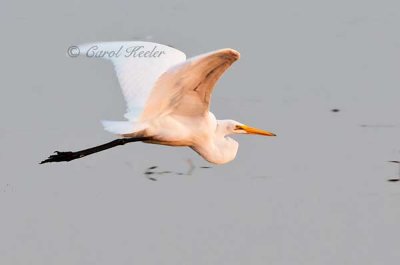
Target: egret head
{"x": 234, "y": 127}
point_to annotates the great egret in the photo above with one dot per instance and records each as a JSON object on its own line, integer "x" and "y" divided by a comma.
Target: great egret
{"x": 168, "y": 99}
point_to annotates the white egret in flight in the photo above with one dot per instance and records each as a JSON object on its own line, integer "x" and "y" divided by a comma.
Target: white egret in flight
{"x": 168, "y": 100}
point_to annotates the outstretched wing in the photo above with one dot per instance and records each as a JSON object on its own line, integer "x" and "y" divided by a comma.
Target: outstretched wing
{"x": 138, "y": 65}
{"x": 186, "y": 88}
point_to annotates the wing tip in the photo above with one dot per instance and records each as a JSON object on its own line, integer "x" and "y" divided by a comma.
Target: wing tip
{"x": 229, "y": 53}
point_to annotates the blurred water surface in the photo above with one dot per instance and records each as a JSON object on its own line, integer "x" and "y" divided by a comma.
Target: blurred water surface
{"x": 316, "y": 194}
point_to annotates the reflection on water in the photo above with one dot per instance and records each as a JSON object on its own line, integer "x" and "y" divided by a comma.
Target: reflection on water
{"x": 150, "y": 172}
{"x": 397, "y": 178}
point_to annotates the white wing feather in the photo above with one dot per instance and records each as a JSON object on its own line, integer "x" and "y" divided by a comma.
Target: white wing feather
{"x": 136, "y": 75}
{"x": 153, "y": 86}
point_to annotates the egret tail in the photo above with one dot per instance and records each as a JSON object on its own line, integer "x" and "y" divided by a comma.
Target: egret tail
{"x": 123, "y": 127}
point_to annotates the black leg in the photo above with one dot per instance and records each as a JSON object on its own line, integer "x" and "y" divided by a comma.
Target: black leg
{"x": 68, "y": 156}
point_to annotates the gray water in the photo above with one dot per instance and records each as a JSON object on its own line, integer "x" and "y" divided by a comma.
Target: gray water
{"x": 316, "y": 194}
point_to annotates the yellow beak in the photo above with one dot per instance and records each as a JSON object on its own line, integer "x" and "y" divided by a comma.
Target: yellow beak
{"x": 251, "y": 130}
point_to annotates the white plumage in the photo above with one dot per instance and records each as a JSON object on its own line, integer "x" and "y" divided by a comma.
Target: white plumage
{"x": 136, "y": 76}
{"x": 168, "y": 97}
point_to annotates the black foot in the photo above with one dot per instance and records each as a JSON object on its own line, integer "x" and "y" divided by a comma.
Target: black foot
{"x": 62, "y": 157}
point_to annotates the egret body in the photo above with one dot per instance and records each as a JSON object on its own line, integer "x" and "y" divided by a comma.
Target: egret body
{"x": 168, "y": 100}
